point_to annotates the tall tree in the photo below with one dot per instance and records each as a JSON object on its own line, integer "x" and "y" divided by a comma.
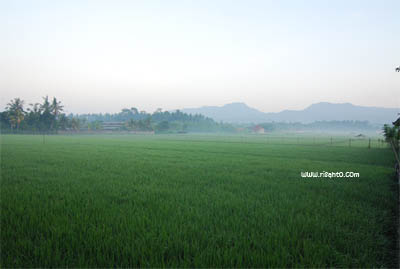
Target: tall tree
{"x": 16, "y": 112}
{"x": 56, "y": 109}
{"x": 33, "y": 116}
{"x": 47, "y": 117}
{"x": 134, "y": 110}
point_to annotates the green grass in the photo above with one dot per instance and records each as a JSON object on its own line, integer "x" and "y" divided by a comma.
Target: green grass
{"x": 194, "y": 201}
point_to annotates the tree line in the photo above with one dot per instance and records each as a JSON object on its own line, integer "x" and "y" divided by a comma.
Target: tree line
{"x": 49, "y": 117}
{"x": 38, "y": 117}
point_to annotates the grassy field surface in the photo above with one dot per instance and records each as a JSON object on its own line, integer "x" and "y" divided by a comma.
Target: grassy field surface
{"x": 194, "y": 201}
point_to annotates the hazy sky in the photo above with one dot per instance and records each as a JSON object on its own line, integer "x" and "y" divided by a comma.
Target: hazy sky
{"x": 101, "y": 56}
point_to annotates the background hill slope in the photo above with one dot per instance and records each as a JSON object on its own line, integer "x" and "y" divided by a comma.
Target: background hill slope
{"x": 241, "y": 113}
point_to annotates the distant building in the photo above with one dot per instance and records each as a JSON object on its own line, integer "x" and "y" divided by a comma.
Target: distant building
{"x": 258, "y": 129}
{"x": 112, "y": 126}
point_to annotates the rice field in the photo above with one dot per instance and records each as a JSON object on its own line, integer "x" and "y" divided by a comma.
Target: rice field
{"x": 195, "y": 201}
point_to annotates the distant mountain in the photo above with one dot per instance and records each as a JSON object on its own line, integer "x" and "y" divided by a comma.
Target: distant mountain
{"x": 235, "y": 112}
{"x": 241, "y": 113}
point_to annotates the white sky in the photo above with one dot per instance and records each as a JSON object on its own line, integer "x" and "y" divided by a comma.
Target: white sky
{"x": 102, "y": 56}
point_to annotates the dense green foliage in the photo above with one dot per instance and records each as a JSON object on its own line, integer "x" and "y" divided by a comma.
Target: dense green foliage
{"x": 159, "y": 121}
{"x": 48, "y": 118}
{"x": 392, "y": 135}
{"x": 193, "y": 201}
{"x": 37, "y": 118}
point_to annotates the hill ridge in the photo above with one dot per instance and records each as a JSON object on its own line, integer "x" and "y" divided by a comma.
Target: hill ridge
{"x": 240, "y": 112}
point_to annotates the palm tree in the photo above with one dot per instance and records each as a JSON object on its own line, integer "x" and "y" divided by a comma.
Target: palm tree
{"x": 16, "y": 111}
{"x": 46, "y": 117}
{"x": 56, "y": 107}
{"x": 33, "y": 117}
{"x": 46, "y": 107}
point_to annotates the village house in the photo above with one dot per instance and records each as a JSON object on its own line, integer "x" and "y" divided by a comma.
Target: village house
{"x": 258, "y": 129}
